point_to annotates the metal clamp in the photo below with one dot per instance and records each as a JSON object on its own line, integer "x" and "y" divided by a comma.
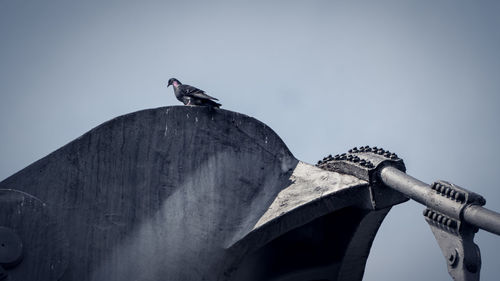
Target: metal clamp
{"x": 365, "y": 163}
{"x": 453, "y": 213}
{"x": 454, "y": 236}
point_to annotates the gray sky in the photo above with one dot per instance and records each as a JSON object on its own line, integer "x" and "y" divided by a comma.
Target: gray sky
{"x": 421, "y": 78}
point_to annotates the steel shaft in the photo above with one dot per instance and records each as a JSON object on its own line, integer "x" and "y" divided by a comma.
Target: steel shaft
{"x": 421, "y": 192}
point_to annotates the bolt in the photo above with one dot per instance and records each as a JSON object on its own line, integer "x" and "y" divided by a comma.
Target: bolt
{"x": 429, "y": 214}
{"x": 426, "y": 212}
{"x": 460, "y": 196}
{"x": 453, "y": 258}
{"x": 447, "y": 192}
{"x": 439, "y": 218}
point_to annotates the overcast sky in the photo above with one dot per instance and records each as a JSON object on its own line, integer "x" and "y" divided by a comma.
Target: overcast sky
{"x": 421, "y": 78}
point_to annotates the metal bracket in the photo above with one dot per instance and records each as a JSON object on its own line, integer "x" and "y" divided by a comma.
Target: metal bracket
{"x": 365, "y": 163}
{"x": 454, "y": 236}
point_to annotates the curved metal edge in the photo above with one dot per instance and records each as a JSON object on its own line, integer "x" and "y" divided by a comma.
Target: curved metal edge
{"x": 356, "y": 194}
{"x": 354, "y": 262}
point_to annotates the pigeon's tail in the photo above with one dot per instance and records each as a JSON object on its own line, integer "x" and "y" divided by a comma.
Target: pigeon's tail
{"x": 216, "y": 104}
{"x": 212, "y": 103}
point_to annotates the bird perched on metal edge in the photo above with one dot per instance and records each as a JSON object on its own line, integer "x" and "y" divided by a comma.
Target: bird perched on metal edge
{"x": 190, "y": 95}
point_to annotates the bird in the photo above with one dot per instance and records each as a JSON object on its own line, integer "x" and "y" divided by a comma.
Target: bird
{"x": 190, "y": 95}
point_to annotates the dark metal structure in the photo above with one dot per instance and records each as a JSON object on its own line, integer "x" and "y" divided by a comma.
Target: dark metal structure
{"x": 189, "y": 193}
{"x": 453, "y": 213}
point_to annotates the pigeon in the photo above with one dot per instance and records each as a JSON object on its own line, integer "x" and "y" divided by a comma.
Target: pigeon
{"x": 190, "y": 95}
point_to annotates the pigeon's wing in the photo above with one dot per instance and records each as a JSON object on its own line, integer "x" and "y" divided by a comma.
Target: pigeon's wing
{"x": 195, "y": 92}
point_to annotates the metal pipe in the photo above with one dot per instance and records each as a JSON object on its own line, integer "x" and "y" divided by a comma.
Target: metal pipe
{"x": 422, "y": 193}
{"x": 483, "y": 218}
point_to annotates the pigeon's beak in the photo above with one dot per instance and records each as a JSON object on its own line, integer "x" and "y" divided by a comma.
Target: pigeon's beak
{"x": 169, "y": 84}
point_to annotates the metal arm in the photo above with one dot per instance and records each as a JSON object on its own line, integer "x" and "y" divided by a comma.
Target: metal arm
{"x": 454, "y": 213}
{"x": 423, "y": 193}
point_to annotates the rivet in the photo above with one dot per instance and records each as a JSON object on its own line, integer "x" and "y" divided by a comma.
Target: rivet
{"x": 452, "y": 193}
{"x": 453, "y": 258}
{"x": 430, "y": 214}
{"x": 439, "y": 218}
{"x": 447, "y": 192}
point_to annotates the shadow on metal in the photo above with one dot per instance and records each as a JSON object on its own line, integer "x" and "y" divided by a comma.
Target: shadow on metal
{"x": 187, "y": 193}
